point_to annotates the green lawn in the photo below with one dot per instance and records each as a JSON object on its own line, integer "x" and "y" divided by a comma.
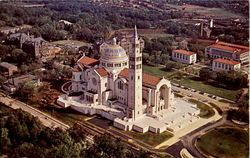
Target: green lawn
{"x": 205, "y": 110}
{"x": 188, "y": 81}
{"x": 67, "y": 115}
{"x": 217, "y": 108}
{"x": 225, "y": 143}
{"x": 178, "y": 95}
{"x": 154, "y": 36}
{"x": 156, "y": 71}
{"x": 80, "y": 43}
{"x": 152, "y": 139}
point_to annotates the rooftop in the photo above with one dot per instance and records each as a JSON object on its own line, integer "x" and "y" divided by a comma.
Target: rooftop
{"x": 184, "y": 52}
{"x": 242, "y": 51}
{"x": 7, "y": 65}
{"x": 88, "y": 61}
{"x": 146, "y": 79}
{"x": 233, "y": 45}
{"x": 218, "y": 46}
{"x": 101, "y": 71}
{"x": 230, "y": 62}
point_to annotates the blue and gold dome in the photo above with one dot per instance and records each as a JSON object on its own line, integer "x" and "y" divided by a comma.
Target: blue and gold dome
{"x": 113, "y": 51}
{"x": 113, "y": 56}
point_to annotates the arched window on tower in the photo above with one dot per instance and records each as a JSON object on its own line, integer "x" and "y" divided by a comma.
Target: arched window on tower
{"x": 120, "y": 85}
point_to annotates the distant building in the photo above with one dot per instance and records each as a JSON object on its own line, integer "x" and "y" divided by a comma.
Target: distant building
{"x": 65, "y": 22}
{"x": 125, "y": 42}
{"x": 223, "y": 64}
{"x": 14, "y": 83}
{"x": 184, "y": 56}
{"x": 227, "y": 51}
{"x": 9, "y": 30}
{"x": 7, "y": 69}
{"x": 28, "y": 43}
{"x": 36, "y": 47}
{"x": 180, "y": 43}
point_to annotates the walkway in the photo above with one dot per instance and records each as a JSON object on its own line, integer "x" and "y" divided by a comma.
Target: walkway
{"x": 201, "y": 122}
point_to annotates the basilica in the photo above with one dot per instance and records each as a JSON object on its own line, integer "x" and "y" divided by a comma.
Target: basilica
{"x": 116, "y": 88}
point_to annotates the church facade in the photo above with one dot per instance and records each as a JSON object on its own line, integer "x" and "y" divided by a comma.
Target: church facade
{"x": 116, "y": 88}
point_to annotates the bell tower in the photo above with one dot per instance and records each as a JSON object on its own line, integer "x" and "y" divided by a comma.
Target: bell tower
{"x": 135, "y": 79}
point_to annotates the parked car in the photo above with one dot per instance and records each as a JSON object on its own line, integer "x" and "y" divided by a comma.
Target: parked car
{"x": 201, "y": 92}
{"x": 210, "y": 95}
{"x": 190, "y": 95}
{"x": 204, "y": 100}
{"x": 175, "y": 84}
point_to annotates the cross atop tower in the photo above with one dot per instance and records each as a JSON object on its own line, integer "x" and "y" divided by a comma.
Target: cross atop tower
{"x": 135, "y": 32}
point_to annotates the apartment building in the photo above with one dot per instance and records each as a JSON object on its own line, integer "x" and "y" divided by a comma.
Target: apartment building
{"x": 224, "y": 64}
{"x": 184, "y": 56}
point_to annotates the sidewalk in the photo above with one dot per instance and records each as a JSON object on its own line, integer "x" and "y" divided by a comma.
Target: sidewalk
{"x": 201, "y": 122}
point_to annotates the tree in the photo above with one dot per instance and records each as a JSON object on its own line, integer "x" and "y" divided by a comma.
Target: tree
{"x": 107, "y": 146}
{"x": 27, "y": 90}
{"x": 170, "y": 65}
{"x": 203, "y": 73}
{"x": 85, "y": 34}
{"x": 18, "y": 56}
{"x": 2, "y": 79}
{"x": 4, "y": 140}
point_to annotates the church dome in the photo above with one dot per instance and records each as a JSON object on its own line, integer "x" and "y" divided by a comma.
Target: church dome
{"x": 112, "y": 52}
{"x": 113, "y": 57}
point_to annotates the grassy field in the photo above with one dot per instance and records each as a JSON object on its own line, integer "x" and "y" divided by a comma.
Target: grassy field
{"x": 178, "y": 95}
{"x": 153, "y": 36}
{"x": 152, "y": 139}
{"x": 206, "y": 11}
{"x": 217, "y": 108}
{"x": 188, "y": 81}
{"x": 67, "y": 115}
{"x": 225, "y": 143}
{"x": 75, "y": 42}
{"x": 205, "y": 110}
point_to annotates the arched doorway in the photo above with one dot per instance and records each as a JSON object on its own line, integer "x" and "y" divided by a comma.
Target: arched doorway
{"x": 164, "y": 97}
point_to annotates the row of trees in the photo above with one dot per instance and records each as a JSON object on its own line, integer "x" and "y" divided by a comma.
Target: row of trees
{"x": 234, "y": 79}
{"x": 22, "y": 135}
{"x": 90, "y": 21}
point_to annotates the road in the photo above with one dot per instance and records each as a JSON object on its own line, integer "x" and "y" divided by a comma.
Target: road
{"x": 45, "y": 119}
{"x": 188, "y": 141}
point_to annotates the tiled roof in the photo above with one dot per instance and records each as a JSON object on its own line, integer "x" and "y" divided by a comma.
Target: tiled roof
{"x": 242, "y": 51}
{"x": 230, "y": 62}
{"x": 221, "y": 47}
{"x": 146, "y": 78}
{"x": 101, "y": 71}
{"x": 88, "y": 61}
{"x": 76, "y": 69}
{"x": 233, "y": 45}
{"x": 145, "y": 88}
{"x": 183, "y": 52}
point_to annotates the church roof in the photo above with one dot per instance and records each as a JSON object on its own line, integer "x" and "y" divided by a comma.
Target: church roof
{"x": 146, "y": 78}
{"x": 112, "y": 51}
{"x": 101, "y": 71}
{"x": 76, "y": 69}
{"x": 88, "y": 61}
